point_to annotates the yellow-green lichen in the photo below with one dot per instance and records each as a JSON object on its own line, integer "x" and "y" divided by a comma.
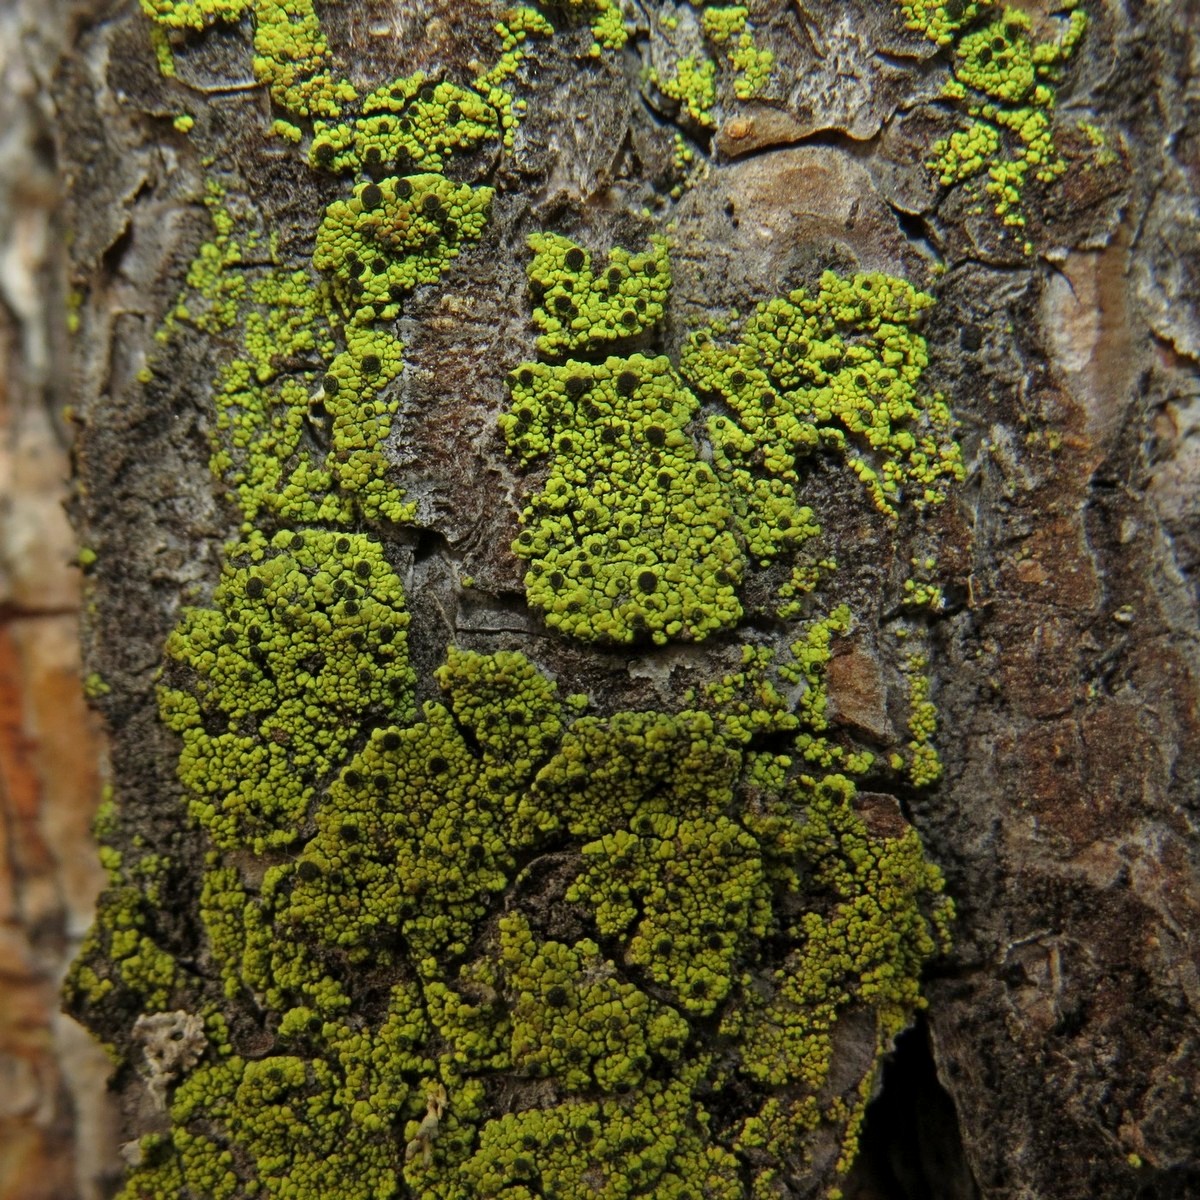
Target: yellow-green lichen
{"x": 95, "y": 686}
{"x": 411, "y": 125}
{"x": 693, "y": 86}
{"x": 686, "y": 893}
{"x": 270, "y": 424}
{"x": 606, "y": 20}
{"x": 300, "y": 441}
{"x": 924, "y": 764}
{"x": 215, "y": 286}
{"x": 291, "y": 55}
{"x": 135, "y": 962}
{"x": 752, "y": 66}
{"x": 393, "y": 235}
{"x": 729, "y": 28}
{"x": 804, "y": 580}
{"x": 863, "y": 953}
{"x": 194, "y": 14}
{"x": 580, "y": 304}
{"x": 810, "y": 656}
{"x": 722, "y": 24}
{"x": 692, "y": 80}
{"x": 921, "y": 591}
{"x": 689, "y": 844}
{"x": 866, "y": 949}
{"x": 304, "y": 645}
{"x": 479, "y": 946}
{"x": 633, "y": 533}
{"x": 293, "y": 58}
{"x": 423, "y": 827}
{"x": 748, "y": 703}
{"x": 300, "y": 1124}
{"x": 837, "y": 368}
{"x": 651, "y": 1145}
{"x": 160, "y": 39}
{"x": 576, "y": 1019}
{"x": 630, "y": 534}
{"x": 252, "y": 943}
{"x": 1004, "y": 82}
{"x": 287, "y": 131}
{"x": 514, "y": 31}
{"x": 121, "y": 961}
{"x": 940, "y": 20}
{"x": 1105, "y": 156}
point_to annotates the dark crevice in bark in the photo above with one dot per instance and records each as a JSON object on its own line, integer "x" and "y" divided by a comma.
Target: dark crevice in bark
{"x": 912, "y": 1145}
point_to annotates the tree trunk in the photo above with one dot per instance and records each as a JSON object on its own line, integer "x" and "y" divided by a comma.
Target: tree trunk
{"x": 640, "y": 583}
{"x": 57, "y": 1129}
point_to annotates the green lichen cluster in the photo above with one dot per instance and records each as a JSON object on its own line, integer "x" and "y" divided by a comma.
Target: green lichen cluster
{"x": 580, "y": 304}
{"x": 729, "y": 29}
{"x": 652, "y": 1145}
{"x": 291, "y": 54}
{"x": 630, "y": 533}
{"x": 835, "y": 369}
{"x": 304, "y": 642}
{"x": 633, "y": 532}
{"x": 425, "y": 867}
{"x": 686, "y": 892}
{"x": 95, "y": 686}
{"x": 293, "y": 1123}
{"x": 688, "y": 845}
{"x": 120, "y": 954}
{"x": 1004, "y": 81}
{"x": 392, "y": 236}
{"x": 865, "y": 947}
{"x": 684, "y": 848}
{"x": 195, "y": 14}
{"x": 924, "y": 764}
{"x": 514, "y": 31}
{"x": 215, "y": 289}
{"x": 606, "y": 20}
{"x": 304, "y": 409}
{"x": 478, "y": 947}
{"x": 693, "y": 78}
{"x": 292, "y": 57}
{"x": 941, "y": 20}
{"x": 306, "y": 449}
{"x": 693, "y": 86}
{"x": 410, "y": 126}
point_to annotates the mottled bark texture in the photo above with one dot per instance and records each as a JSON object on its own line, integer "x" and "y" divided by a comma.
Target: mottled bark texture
{"x": 1053, "y": 603}
{"x": 57, "y": 1132}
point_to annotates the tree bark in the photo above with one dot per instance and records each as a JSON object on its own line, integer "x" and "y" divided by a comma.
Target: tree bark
{"x": 57, "y": 1129}
{"x": 548, "y": 682}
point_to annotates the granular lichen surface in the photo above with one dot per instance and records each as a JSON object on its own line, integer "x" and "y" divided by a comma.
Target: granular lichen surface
{"x": 425, "y": 1033}
{"x": 1003, "y": 84}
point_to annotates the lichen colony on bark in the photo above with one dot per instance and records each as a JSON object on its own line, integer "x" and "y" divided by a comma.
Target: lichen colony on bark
{"x": 542, "y": 826}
